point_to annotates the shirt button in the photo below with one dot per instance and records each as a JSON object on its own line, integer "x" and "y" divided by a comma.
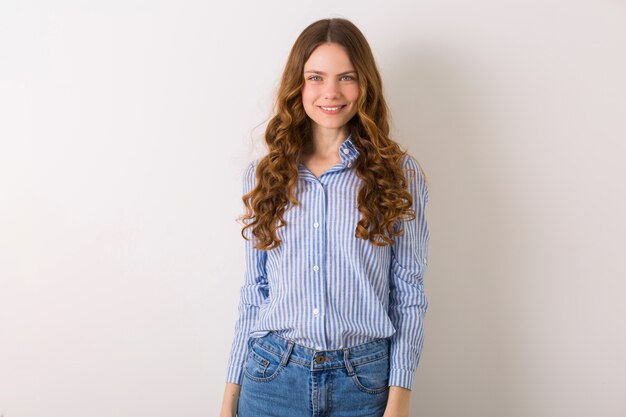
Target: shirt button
{"x": 316, "y": 268}
{"x": 316, "y": 225}
{"x": 346, "y": 151}
{"x": 316, "y": 311}
{"x": 349, "y": 164}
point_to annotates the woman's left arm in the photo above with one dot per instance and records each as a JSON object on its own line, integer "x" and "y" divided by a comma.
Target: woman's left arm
{"x": 407, "y": 301}
{"x": 398, "y": 402}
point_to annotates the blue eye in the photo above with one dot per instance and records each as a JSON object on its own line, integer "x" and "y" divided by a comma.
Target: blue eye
{"x": 350, "y": 77}
{"x": 314, "y": 76}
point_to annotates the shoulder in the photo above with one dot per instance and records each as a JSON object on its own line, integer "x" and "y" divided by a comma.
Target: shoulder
{"x": 250, "y": 169}
{"x": 415, "y": 175}
{"x": 410, "y": 165}
{"x": 250, "y": 174}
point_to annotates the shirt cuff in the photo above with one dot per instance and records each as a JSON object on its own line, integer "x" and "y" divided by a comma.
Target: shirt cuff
{"x": 401, "y": 378}
{"x": 234, "y": 375}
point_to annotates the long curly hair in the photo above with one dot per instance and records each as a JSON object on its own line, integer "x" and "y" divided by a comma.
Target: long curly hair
{"x": 383, "y": 199}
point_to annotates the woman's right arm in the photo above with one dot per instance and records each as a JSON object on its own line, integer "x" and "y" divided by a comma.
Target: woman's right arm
{"x": 254, "y": 291}
{"x": 230, "y": 401}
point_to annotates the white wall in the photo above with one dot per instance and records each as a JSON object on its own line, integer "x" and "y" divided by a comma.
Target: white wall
{"x": 126, "y": 126}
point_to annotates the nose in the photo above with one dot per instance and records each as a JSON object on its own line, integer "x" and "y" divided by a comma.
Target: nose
{"x": 332, "y": 89}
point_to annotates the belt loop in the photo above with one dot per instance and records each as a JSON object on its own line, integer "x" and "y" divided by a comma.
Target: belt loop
{"x": 287, "y": 354}
{"x": 346, "y": 352}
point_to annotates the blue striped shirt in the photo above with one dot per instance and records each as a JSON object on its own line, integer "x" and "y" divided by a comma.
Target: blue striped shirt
{"x": 327, "y": 289}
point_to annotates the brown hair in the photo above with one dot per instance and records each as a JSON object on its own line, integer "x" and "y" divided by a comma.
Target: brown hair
{"x": 383, "y": 198}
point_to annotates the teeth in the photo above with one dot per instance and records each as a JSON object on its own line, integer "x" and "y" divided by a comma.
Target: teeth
{"x": 332, "y": 108}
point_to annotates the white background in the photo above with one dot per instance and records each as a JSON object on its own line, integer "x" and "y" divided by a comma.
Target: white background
{"x": 125, "y": 127}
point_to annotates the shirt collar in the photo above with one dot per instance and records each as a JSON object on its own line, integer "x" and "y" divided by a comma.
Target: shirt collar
{"x": 348, "y": 151}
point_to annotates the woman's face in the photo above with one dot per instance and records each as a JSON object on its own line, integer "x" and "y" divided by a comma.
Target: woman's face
{"x": 331, "y": 89}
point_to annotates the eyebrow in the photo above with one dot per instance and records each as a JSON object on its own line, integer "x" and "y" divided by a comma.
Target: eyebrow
{"x": 323, "y": 73}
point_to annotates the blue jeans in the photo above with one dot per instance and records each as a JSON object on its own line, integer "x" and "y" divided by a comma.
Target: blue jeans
{"x": 285, "y": 379}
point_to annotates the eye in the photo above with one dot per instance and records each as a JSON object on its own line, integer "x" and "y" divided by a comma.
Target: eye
{"x": 349, "y": 77}
{"x": 314, "y": 76}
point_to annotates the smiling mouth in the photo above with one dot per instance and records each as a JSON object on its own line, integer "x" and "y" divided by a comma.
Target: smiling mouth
{"x": 332, "y": 109}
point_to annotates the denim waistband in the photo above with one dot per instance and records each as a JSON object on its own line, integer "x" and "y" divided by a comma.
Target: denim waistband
{"x": 323, "y": 359}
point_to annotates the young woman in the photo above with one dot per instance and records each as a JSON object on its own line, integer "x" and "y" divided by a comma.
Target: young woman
{"x": 332, "y": 307}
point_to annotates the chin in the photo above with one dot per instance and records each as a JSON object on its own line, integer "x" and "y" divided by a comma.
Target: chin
{"x": 334, "y": 126}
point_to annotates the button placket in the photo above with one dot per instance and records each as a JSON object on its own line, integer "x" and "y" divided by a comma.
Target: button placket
{"x": 318, "y": 248}
{"x": 316, "y": 267}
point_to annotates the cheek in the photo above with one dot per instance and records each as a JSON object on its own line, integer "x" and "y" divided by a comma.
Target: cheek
{"x": 352, "y": 93}
{"x": 308, "y": 95}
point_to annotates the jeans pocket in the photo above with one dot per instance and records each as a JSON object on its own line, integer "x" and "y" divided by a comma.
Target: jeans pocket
{"x": 262, "y": 365}
{"x": 372, "y": 377}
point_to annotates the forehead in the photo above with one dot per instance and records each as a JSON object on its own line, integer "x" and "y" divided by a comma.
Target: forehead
{"x": 329, "y": 57}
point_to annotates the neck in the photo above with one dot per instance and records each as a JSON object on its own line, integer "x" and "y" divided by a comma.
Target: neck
{"x": 326, "y": 141}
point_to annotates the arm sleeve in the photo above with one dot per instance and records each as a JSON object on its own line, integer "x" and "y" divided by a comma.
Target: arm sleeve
{"x": 252, "y": 294}
{"x": 407, "y": 301}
